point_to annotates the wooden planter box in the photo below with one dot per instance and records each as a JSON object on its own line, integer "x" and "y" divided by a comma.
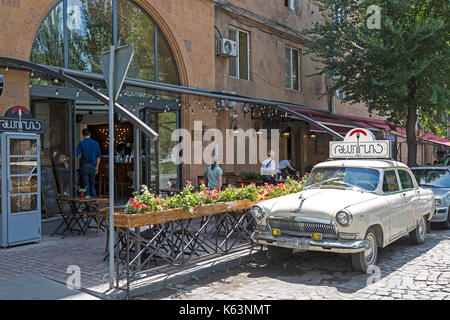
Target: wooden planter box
{"x": 124, "y": 220}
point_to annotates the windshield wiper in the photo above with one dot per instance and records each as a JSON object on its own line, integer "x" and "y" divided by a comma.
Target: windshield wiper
{"x": 322, "y": 182}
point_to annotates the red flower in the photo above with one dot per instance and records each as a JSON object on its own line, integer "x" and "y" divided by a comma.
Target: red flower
{"x": 188, "y": 182}
{"x": 261, "y": 198}
{"x": 132, "y": 200}
{"x": 203, "y": 181}
{"x": 144, "y": 206}
{"x": 307, "y": 174}
{"x": 136, "y": 205}
{"x": 252, "y": 182}
{"x": 217, "y": 189}
{"x": 242, "y": 184}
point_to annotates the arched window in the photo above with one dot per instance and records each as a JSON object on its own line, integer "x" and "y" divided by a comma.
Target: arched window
{"x": 76, "y": 32}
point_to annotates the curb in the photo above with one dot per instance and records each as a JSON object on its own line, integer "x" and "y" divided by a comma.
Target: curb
{"x": 202, "y": 269}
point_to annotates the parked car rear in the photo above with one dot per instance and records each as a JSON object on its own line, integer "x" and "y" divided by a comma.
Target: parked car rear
{"x": 437, "y": 178}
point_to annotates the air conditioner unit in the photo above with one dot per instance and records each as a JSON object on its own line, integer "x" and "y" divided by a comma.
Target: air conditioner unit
{"x": 226, "y": 47}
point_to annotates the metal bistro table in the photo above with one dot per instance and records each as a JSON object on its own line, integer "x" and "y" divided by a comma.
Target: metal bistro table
{"x": 75, "y": 217}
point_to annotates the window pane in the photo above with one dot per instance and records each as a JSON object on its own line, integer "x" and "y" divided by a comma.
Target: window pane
{"x": 55, "y": 143}
{"x": 295, "y": 67}
{"x": 288, "y": 68}
{"x": 167, "y": 71}
{"x": 232, "y": 34}
{"x": 390, "y": 183}
{"x": 23, "y": 203}
{"x": 135, "y": 27}
{"x": 243, "y": 56}
{"x": 48, "y": 46}
{"x": 90, "y": 33}
{"x": 405, "y": 179}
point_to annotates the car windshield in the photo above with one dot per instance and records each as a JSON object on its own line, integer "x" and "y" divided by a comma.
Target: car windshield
{"x": 341, "y": 177}
{"x": 437, "y": 178}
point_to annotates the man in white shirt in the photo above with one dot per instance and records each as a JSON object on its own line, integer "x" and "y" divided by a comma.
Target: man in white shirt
{"x": 269, "y": 169}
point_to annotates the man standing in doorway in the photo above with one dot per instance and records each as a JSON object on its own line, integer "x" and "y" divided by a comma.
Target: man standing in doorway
{"x": 90, "y": 160}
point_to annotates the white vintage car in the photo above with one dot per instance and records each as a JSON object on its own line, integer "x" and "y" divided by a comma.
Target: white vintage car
{"x": 347, "y": 206}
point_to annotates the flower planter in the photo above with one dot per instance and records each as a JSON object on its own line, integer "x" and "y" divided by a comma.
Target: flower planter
{"x": 125, "y": 220}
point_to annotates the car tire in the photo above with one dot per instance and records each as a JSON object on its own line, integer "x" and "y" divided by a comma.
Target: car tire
{"x": 362, "y": 260}
{"x": 446, "y": 224}
{"x": 278, "y": 254}
{"x": 417, "y": 236}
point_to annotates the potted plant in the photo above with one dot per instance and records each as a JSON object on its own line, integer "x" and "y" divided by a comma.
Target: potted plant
{"x": 81, "y": 191}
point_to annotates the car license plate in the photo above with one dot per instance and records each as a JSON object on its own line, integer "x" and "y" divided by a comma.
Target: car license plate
{"x": 301, "y": 244}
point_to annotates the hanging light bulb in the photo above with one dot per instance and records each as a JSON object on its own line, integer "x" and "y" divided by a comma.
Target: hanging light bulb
{"x": 32, "y": 74}
{"x": 235, "y": 130}
{"x": 78, "y": 93}
{"x": 57, "y": 92}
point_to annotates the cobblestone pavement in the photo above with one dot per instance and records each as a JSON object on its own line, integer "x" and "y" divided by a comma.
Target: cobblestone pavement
{"x": 53, "y": 255}
{"x": 407, "y": 272}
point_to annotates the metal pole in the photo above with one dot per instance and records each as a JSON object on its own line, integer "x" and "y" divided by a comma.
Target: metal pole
{"x": 111, "y": 166}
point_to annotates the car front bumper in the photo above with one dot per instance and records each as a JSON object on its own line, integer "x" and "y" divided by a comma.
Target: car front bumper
{"x": 326, "y": 245}
{"x": 440, "y": 215}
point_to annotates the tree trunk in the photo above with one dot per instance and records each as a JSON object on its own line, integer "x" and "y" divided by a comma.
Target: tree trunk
{"x": 411, "y": 124}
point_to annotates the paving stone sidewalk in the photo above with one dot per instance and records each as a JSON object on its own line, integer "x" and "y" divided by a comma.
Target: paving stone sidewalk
{"x": 406, "y": 272}
{"x": 53, "y": 256}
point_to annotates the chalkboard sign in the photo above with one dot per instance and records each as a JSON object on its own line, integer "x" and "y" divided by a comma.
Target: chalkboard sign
{"x": 49, "y": 195}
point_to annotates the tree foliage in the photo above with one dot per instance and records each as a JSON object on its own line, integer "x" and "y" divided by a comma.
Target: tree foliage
{"x": 400, "y": 70}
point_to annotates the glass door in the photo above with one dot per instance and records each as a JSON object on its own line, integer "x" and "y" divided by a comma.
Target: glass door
{"x": 23, "y": 188}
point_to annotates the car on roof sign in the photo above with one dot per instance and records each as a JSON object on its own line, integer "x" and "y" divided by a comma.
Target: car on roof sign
{"x": 360, "y": 143}
{"x": 349, "y": 206}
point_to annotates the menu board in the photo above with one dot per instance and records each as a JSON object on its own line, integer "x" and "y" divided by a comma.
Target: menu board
{"x": 49, "y": 194}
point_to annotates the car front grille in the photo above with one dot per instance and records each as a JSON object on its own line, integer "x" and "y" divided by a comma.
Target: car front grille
{"x": 287, "y": 225}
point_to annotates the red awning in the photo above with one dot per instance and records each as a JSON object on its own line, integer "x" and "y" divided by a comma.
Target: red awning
{"x": 332, "y": 121}
{"x": 337, "y": 122}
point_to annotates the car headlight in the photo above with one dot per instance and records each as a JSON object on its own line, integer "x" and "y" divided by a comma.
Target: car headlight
{"x": 344, "y": 218}
{"x": 437, "y": 202}
{"x": 258, "y": 212}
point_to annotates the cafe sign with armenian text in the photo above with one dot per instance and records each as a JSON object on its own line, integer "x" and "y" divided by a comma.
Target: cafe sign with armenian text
{"x": 18, "y": 119}
{"x": 360, "y": 144}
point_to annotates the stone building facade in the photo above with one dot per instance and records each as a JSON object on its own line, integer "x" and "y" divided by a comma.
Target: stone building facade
{"x": 269, "y": 30}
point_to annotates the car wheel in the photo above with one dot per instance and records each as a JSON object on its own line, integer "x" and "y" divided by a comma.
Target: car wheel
{"x": 417, "y": 236}
{"x": 278, "y": 254}
{"x": 362, "y": 260}
{"x": 446, "y": 224}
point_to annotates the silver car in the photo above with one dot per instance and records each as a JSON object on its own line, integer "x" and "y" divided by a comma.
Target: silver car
{"x": 437, "y": 179}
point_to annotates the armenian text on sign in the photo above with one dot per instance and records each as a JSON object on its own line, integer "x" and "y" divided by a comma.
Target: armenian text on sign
{"x": 360, "y": 143}
{"x": 375, "y": 149}
{"x": 18, "y": 119}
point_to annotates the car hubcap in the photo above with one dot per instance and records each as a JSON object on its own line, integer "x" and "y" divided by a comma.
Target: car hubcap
{"x": 369, "y": 253}
{"x": 421, "y": 227}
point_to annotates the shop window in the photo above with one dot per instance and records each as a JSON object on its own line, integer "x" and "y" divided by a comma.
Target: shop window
{"x": 240, "y": 65}
{"x": 292, "y": 69}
